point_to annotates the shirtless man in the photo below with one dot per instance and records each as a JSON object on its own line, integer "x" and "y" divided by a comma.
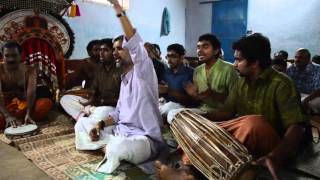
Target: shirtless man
{"x": 18, "y": 90}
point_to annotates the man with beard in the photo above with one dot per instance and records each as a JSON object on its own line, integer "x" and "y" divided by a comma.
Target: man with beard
{"x": 132, "y": 131}
{"x": 105, "y": 87}
{"x": 86, "y": 68}
{"x": 263, "y": 111}
{"x": 18, "y": 101}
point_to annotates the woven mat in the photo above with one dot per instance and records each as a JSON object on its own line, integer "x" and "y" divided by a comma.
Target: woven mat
{"x": 54, "y": 155}
{"x": 56, "y": 124}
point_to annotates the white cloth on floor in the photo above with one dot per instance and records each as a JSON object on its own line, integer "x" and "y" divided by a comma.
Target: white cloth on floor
{"x": 174, "y": 112}
{"x": 134, "y": 149}
{"x": 85, "y": 124}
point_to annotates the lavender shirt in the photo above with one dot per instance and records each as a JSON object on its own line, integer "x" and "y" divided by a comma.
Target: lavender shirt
{"x": 137, "y": 111}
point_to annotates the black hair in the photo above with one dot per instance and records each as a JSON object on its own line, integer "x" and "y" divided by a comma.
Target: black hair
{"x": 214, "y": 41}
{"x": 280, "y": 62}
{"x": 119, "y": 38}
{"x": 255, "y": 47}
{"x": 107, "y": 41}
{"x": 157, "y": 47}
{"x": 178, "y": 48}
{"x": 91, "y": 44}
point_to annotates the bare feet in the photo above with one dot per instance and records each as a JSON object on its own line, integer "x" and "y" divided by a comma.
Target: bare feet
{"x": 163, "y": 172}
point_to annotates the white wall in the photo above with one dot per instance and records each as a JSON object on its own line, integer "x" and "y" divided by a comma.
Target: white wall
{"x": 289, "y": 24}
{"x": 198, "y": 22}
{"x": 98, "y": 21}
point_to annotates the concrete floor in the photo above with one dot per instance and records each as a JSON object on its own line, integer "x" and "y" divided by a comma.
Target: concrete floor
{"x": 14, "y": 165}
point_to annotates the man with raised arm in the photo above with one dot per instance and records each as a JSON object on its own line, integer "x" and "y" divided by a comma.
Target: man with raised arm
{"x": 131, "y": 132}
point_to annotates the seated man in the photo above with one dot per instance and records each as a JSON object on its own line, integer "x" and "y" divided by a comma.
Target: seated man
{"x": 18, "y": 101}
{"x": 132, "y": 131}
{"x": 270, "y": 122}
{"x": 86, "y": 68}
{"x": 282, "y": 54}
{"x": 174, "y": 79}
{"x": 105, "y": 87}
{"x": 156, "y": 60}
{"x": 213, "y": 80}
{"x": 306, "y": 77}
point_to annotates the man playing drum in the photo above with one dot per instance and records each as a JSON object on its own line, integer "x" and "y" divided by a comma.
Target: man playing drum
{"x": 263, "y": 111}
{"x": 18, "y": 90}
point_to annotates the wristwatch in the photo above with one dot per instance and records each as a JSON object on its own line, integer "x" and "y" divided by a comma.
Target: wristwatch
{"x": 123, "y": 13}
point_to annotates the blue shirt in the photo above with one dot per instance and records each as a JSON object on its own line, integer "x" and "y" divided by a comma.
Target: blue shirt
{"x": 176, "y": 81}
{"x": 307, "y": 81}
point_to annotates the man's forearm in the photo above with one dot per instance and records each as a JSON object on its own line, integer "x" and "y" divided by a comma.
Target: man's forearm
{"x": 125, "y": 22}
{"x": 182, "y": 98}
{"x": 290, "y": 143}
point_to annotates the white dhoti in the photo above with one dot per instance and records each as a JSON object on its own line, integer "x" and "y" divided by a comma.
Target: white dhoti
{"x": 134, "y": 149}
{"x": 71, "y": 104}
{"x": 85, "y": 124}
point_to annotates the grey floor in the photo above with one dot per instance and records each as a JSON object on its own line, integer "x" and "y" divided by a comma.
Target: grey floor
{"x": 14, "y": 165}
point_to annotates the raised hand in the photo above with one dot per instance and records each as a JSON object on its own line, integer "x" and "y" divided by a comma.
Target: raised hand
{"x": 114, "y": 2}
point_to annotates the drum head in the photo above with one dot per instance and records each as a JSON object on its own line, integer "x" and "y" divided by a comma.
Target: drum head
{"x": 20, "y": 130}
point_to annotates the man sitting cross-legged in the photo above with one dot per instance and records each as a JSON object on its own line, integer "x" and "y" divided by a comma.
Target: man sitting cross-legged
{"x": 132, "y": 131}
{"x": 18, "y": 101}
{"x": 174, "y": 79}
{"x": 105, "y": 87}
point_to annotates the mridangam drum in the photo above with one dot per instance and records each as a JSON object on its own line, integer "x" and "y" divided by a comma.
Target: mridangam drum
{"x": 210, "y": 148}
{"x": 21, "y": 131}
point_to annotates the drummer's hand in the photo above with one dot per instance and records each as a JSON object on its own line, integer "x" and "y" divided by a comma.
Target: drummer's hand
{"x": 28, "y": 119}
{"x": 12, "y": 121}
{"x": 268, "y": 162}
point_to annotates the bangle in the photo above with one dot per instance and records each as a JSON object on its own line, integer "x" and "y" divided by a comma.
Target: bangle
{"x": 123, "y": 13}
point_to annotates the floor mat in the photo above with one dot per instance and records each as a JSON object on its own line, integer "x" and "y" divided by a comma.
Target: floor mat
{"x": 87, "y": 171}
